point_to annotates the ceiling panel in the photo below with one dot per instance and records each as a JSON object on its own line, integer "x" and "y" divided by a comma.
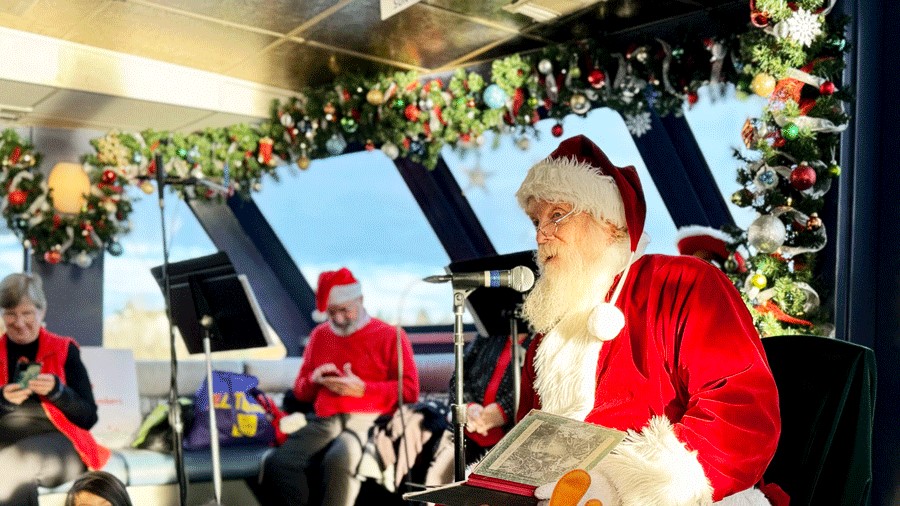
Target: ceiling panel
{"x": 487, "y": 10}
{"x": 94, "y": 110}
{"x": 163, "y": 35}
{"x": 419, "y": 36}
{"x": 279, "y": 16}
{"x": 19, "y": 94}
{"x": 49, "y": 17}
{"x": 294, "y": 66}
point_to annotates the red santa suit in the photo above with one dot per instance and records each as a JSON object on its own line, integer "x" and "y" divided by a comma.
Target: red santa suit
{"x": 686, "y": 375}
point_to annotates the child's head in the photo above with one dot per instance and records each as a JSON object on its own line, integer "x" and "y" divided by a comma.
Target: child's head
{"x": 98, "y": 488}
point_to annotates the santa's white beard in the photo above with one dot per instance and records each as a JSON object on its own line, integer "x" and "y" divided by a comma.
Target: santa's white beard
{"x": 578, "y": 277}
{"x": 570, "y": 286}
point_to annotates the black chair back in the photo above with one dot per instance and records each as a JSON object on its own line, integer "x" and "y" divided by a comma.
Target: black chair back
{"x": 826, "y": 391}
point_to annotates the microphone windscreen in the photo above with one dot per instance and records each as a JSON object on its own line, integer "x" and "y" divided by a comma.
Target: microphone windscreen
{"x": 521, "y": 278}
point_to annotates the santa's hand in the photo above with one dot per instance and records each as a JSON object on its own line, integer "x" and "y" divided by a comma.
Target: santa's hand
{"x": 578, "y": 488}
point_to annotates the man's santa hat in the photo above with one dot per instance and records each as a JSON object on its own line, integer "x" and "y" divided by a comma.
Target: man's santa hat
{"x": 579, "y": 172}
{"x": 694, "y": 238}
{"x": 335, "y": 287}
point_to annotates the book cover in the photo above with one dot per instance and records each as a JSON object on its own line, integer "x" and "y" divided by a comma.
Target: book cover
{"x": 538, "y": 450}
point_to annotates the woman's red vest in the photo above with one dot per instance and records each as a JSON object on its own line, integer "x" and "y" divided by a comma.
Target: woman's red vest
{"x": 52, "y": 353}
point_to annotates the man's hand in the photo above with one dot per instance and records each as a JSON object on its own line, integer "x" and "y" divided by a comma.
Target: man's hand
{"x": 323, "y": 371}
{"x": 473, "y": 416}
{"x": 15, "y": 394}
{"x": 42, "y": 384}
{"x": 349, "y": 384}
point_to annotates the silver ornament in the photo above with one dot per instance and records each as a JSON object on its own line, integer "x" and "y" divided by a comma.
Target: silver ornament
{"x": 83, "y": 260}
{"x": 545, "y": 67}
{"x": 391, "y": 150}
{"x": 766, "y": 233}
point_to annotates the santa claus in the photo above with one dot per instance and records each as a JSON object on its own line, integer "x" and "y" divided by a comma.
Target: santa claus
{"x": 660, "y": 346}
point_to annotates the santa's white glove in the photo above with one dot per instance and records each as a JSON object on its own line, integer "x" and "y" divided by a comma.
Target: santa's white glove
{"x": 577, "y": 488}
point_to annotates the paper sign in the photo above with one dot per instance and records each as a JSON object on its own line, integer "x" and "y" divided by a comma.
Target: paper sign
{"x": 391, "y": 7}
{"x": 114, "y": 383}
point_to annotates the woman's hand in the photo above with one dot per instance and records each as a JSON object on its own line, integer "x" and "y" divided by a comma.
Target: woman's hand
{"x": 42, "y": 384}
{"x": 485, "y": 418}
{"x": 15, "y": 393}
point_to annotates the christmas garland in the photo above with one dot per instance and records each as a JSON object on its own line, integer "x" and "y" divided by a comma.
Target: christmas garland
{"x": 414, "y": 118}
{"x": 793, "y": 57}
{"x": 27, "y": 206}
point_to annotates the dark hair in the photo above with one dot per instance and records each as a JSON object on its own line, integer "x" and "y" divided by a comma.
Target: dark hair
{"x": 101, "y": 484}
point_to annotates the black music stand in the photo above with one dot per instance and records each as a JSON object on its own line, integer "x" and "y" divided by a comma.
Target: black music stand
{"x": 215, "y": 310}
{"x": 496, "y": 312}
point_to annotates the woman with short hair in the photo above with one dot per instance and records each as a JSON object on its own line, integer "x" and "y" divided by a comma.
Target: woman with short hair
{"x": 47, "y": 407}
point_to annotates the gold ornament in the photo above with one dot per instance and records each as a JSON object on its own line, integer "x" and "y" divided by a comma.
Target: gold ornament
{"x": 763, "y": 85}
{"x": 147, "y": 187}
{"x": 759, "y": 280}
{"x": 303, "y": 162}
{"x": 375, "y": 97}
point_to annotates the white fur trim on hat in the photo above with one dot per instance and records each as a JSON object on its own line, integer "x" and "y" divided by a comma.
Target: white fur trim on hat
{"x": 319, "y": 316}
{"x": 654, "y": 468}
{"x": 344, "y": 293}
{"x": 568, "y": 180}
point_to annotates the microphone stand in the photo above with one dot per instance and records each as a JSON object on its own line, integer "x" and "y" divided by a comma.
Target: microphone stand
{"x": 459, "y": 409}
{"x": 516, "y": 361}
{"x": 175, "y": 420}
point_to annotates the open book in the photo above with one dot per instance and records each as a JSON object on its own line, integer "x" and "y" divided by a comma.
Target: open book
{"x": 538, "y": 450}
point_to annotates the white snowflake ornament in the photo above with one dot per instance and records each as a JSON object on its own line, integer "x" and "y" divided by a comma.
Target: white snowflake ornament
{"x": 803, "y": 26}
{"x": 638, "y": 124}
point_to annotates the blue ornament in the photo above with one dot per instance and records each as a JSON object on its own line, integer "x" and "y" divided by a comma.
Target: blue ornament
{"x": 417, "y": 148}
{"x": 336, "y": 144}
{"x": 494, "y": 97}
{"x": 114, "y": 248}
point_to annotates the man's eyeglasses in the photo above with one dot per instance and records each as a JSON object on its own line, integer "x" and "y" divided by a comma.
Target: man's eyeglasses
{"x": 550, "y": 228}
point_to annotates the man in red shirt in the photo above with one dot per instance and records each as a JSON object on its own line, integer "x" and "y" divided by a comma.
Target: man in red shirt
{"x": 349, "y": 374}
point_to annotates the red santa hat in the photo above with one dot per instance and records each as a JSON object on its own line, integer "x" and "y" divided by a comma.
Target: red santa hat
{"x": 580, "y": 173}
{"x": 335, "y": 287}
{"x": 694, "y": 238}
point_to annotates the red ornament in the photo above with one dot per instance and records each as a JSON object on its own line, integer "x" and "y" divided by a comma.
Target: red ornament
{"x": 265, "y": 150}
{"x": 557, "y": 130}
{"x": 17, "y": 198}
{"x": 466, "y": 137}
{"x": 692, "y": 98}
{"x": 803, "y": 177}
{"x": 109, "y": 177}
{"x": 759, "y": 19}
{"x": 411, "y": 112}
{"x": 53, "y": 257}
{"x": 370, "y": 145}
{"x": 14, "y": 156}
{"x": 596, "y": 78}
{"x": 57, "y": 220}
{"x": 827, "y": 88}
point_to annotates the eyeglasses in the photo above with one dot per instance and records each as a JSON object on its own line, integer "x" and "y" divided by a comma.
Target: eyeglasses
{"x": 550, "y": 228}
{"x": 12, "y": 316}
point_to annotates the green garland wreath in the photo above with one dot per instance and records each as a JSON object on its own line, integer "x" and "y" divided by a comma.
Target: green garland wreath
{"x": 793, "y": 57}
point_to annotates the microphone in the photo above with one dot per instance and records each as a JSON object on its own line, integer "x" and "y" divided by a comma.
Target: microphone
{"x": 160, "y": 174}
{"x": 520, "y": 279}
